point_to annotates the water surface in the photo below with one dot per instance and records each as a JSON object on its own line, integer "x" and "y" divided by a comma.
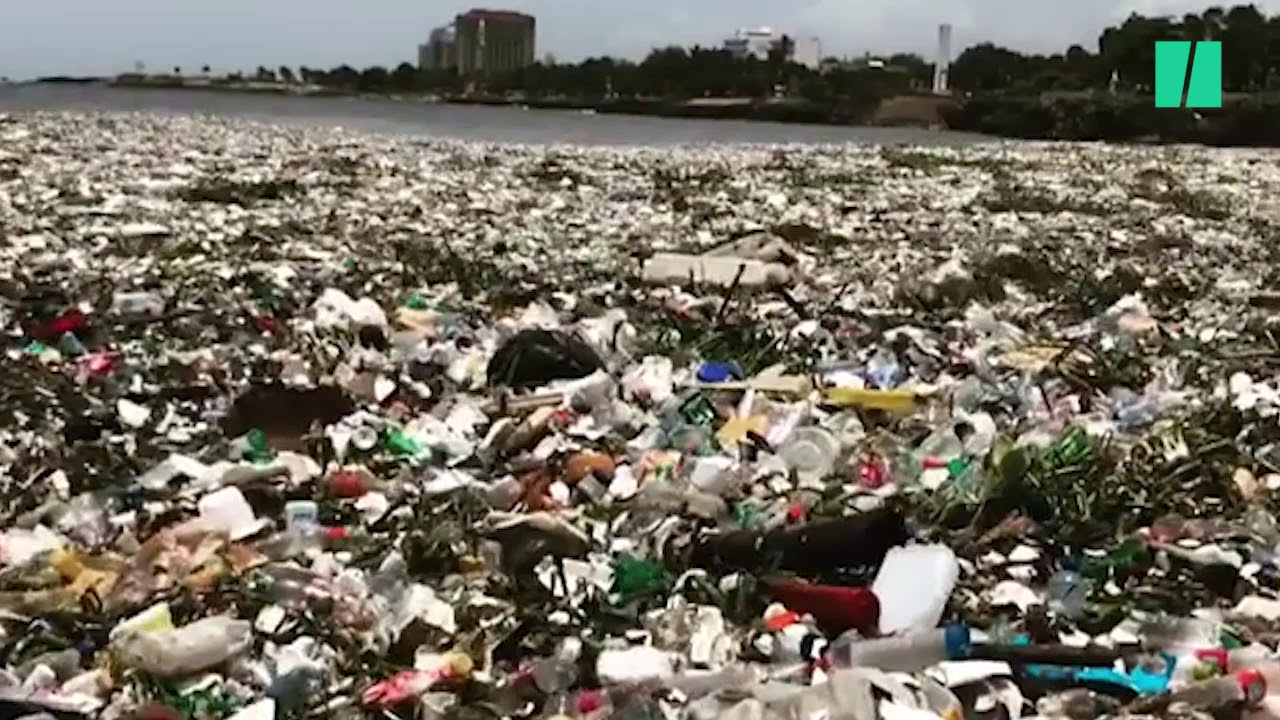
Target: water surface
{"x": 491, "y": 124}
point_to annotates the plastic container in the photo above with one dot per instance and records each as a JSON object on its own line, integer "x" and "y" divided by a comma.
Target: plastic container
{"x": 811, "y": 451}
{"x": 228, "y": 509}
{"x": 906, "y": 653}
{"x": 137, "y": 304}
{"x": 1069, "y": 593}
{"x": 183, "y": 651}
{"x": 914, "y": 585}
{"x": 301, "y": 515}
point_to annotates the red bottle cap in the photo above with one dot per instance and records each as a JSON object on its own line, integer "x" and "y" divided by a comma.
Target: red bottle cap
{"x": 781, "y": 621}
{"x": 337, "y": 532}
{"x": 1254, "y": 686}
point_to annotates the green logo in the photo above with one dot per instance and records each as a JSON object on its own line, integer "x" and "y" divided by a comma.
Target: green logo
{"x": 1204, "y": 85}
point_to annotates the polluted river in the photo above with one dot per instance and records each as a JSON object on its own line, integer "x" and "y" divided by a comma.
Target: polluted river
{"x": 299, "y": 421}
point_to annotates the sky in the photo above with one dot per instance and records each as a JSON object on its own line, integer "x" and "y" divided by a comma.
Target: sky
{"x": 103, "y": 37}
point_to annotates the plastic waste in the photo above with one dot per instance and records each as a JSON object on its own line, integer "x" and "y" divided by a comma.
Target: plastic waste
{"x": 182, "y": 651}
{"x": 1069, "y": 593}
{"x": 914, "y": 585}
{"x": 905, "y": 653}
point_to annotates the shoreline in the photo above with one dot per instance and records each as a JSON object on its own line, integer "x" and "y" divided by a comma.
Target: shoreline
{"x": 1242, "y": 121}
{"x": 918, "y": 111}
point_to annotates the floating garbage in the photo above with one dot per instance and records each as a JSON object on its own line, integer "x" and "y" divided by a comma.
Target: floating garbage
{"x": 298, "y": 422}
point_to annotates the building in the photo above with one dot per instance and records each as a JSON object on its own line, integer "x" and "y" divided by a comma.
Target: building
{"x": 494, "y": 41}
{"x": 942, "y": 65}
{"x": 440, "y": 52}
{"x": 760, "y": 43}
{"x": 756, "y": 43}
{"x": 807, "y": 51}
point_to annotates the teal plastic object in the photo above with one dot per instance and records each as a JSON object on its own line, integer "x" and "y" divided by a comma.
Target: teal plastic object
{"x": 1139, "y": 680}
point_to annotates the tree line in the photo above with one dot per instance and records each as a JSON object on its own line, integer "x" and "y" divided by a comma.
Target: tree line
{"x": 1125, "y": 57}
{"x": 1124, "y": 60}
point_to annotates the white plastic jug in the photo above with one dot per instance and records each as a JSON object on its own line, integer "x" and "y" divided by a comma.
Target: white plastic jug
{"x": 913, "y": 587}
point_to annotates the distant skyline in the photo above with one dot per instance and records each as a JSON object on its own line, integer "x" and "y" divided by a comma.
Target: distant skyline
{"x": 96, "y": 37}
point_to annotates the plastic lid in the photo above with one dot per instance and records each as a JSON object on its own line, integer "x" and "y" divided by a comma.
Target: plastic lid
{"x": 1254, "y": 686}
{"x": 958, "y": 642}
{"x": 716, "y": 372}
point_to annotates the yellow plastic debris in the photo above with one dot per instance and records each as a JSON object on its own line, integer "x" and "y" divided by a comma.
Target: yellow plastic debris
{"x": 887, "y": 400}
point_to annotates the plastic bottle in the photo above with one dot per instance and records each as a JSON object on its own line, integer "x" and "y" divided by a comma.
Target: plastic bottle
{"x": 1247, "y": 688}
{"x": 558, "y": 672}
{"x": 137, "y": 304}
{"x": 905, "y": 653}
{"x": 1069, "y": 592}
{"x": 311, "y": 539}
{"x": 883, "y": 369}
{"x": 186, "y": 650}
{"x": 64, "y": 663}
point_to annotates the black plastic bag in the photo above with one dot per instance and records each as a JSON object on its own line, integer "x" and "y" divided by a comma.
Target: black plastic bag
{"x": 536, "y": 357}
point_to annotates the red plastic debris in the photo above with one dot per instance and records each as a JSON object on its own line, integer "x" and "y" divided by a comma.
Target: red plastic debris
{"x": 71, "y": 321}
{"x": 873, "y": 474}
{"x": 348, "y": 484}
{"x": 267, "y": 324}
{"x": 835, "y": 609}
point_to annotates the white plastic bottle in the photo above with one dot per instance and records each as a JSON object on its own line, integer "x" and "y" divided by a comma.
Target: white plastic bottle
{"x": 904, "y": 653}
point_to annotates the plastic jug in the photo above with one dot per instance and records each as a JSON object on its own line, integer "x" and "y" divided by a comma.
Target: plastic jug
{"x": 914, "y": 585}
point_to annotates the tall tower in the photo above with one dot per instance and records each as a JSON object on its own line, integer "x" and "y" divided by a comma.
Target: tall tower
{"x": 942, "y": 65}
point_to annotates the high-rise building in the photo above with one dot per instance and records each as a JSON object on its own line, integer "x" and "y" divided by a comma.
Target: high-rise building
{"x": 942, "y": 66}
{"x": 753, "y": 42}
{"x": 760, "y": 43}
{"x": 494, "y": 41}
{"x": 440, "y": 52}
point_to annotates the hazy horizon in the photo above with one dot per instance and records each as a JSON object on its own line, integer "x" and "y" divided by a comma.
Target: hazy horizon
{"x": 88, "y": 37}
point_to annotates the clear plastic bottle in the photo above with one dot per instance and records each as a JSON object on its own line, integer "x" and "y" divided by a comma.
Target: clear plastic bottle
{"x": 1247, "y": 688}
{"x": 185, "y": 650}
{"x": 559, "y": 672}
{"x": 884, "y": 370}
{"x": 137, "y": 303}
{"x": 904, "y": 653}
{"x": 1069, "y": 593}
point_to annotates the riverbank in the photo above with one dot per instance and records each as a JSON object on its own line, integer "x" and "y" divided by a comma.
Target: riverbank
{"x": 906, "y": 111}
{"x": 1243, "y": 120}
